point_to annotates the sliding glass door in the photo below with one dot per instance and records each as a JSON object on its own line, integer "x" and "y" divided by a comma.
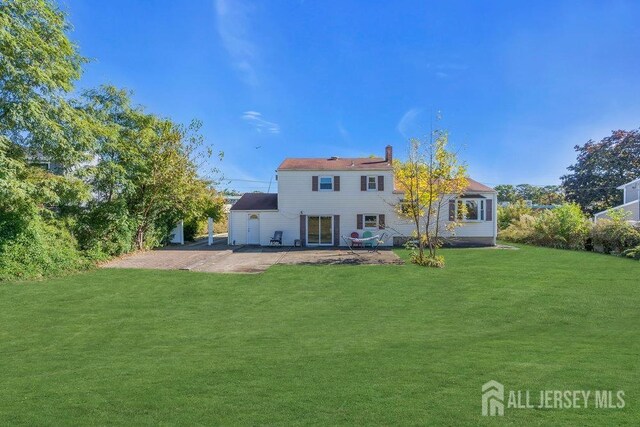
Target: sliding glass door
{"x": 320, "y": 230}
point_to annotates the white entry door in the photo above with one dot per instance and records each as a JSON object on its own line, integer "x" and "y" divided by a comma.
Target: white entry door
{"x": 253, "y": 230}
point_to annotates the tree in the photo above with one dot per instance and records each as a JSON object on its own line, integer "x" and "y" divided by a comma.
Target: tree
{"x": 600, "y": 168}
{"x": 551, "y": 195}
{"x": 540, "y": 195}
{"x": 528, "y": 192}
{"x": 38, "y": 66}
{"x": 146, "y": 165}
{"x": 507, "y": 193}
{"x": 430, "y": 178}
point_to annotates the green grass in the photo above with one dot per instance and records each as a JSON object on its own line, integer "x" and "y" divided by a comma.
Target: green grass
{"x": 323, "y": 345}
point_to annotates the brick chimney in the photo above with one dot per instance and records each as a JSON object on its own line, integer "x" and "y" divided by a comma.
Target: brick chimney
{"x": 388, "y": 154}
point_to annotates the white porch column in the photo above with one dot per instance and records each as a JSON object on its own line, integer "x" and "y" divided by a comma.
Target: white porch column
{"x": 210, "y": 231}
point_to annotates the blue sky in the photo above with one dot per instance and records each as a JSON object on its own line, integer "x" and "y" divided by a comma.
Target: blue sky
{"x": 518, "y": 84}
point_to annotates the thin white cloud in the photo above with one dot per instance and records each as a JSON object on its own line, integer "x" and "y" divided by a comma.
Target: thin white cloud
{"x": 452, "y": 66}
{"x": 233, "y": 18}
{"x": 344, "y": 133}
{"x": 255, "y": 119}
{"x": 407, "y": 123}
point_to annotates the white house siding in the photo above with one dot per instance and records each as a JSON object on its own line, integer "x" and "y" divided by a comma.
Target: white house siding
{"x": 631, "y": 192}
{"x": 295, "y": 198}
{"x": 633, "y": 208}
{"x": 467, "y": 229}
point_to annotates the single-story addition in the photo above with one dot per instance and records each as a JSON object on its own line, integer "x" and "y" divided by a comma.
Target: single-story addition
{"x": 631, "y": 202}
{"x": 319, "y": 200}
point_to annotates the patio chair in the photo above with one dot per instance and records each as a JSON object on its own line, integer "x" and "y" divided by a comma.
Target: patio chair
{"x": 355, "y": 235}
{"x": 367, "y": 234}
{"x": 277, "y": 238}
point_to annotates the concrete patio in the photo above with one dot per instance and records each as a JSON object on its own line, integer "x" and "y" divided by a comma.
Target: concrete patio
{"x": 220, "y": 258}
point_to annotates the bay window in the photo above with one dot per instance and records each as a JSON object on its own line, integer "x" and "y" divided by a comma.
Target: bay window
{"x": 471, "y": 209}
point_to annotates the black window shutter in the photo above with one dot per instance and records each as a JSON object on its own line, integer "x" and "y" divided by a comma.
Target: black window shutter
{"x": 359, "y": 222}
{"x": 381, "y": 223}
{"x": 380, "y": 182}
{"x": 489, "y": 210}
{"x": 336, "y": 230}
{"x": 452, "y": 210}
{"x": 336, "y": 183}
{"x": 314, "y": 183}
{"x": 363, "y": 183}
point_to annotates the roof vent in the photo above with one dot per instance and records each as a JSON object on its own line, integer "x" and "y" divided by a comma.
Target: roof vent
{"x": 333, "y": 158}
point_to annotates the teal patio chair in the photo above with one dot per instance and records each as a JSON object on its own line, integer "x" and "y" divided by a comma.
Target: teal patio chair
{"x": 368, "y": 243}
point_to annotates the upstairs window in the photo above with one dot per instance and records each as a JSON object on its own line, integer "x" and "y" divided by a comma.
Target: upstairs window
{"x": 326, "y": 183}
{"x": 372, "y": 183}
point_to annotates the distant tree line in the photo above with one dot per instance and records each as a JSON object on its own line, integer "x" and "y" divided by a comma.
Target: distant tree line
{"x": 540, "y": 195}
{"x": 122, "y": 178}
{"x": 592, "y": 181}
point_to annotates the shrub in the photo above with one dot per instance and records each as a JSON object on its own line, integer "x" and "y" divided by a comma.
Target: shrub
{"x": 41, "y": 249}
{"x": 426, "y": 260}
{"x": 195, "y": 227}
{"x": 512, "y": 212}
{"x": 614, "y": 235}
{"x": 521, "y": 230}
{"x": 564, "y": 227}
{"x": 104, "y": 230}
{"x": 633, "y": 253}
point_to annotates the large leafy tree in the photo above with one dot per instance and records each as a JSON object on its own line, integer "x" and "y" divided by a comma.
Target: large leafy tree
{"x": 429, "y": 178}
{"x": 38, "y": 66}
{"x": 146, "y": 165}
{"x": 601, "y": 166}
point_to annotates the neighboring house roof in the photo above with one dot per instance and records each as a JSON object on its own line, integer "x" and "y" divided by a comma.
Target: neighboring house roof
{"x": 335, "y": 163}
{"x": 628, "y": 183}
{"x": 256, "y": 202}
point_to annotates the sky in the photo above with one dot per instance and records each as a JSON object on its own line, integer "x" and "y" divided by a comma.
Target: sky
{"x": 516, "y": 84}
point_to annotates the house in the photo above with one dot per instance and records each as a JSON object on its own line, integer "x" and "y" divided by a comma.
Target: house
{"x": 321, "y": 199}
{"x": 631, "y": 202}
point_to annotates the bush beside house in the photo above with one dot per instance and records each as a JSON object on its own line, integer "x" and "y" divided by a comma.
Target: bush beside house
{"x": 567, "y": 227}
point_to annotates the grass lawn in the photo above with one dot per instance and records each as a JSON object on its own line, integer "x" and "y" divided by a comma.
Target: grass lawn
{"x": 323, "y": 344}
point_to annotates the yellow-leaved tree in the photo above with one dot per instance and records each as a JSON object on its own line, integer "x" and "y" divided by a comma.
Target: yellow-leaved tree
{"x": 431, "y": 177}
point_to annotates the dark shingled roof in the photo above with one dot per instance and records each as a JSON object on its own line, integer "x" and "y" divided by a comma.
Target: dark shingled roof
{"x": 335, "y": 163}
{"x": 256, "y": 202}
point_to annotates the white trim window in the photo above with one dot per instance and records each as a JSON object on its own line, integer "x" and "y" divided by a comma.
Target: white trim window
{"x": 475, "y": 210}
{"x": 325, "y": 183}
{"x": 372, "y": 183}
{"x": 371, "y": 221}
